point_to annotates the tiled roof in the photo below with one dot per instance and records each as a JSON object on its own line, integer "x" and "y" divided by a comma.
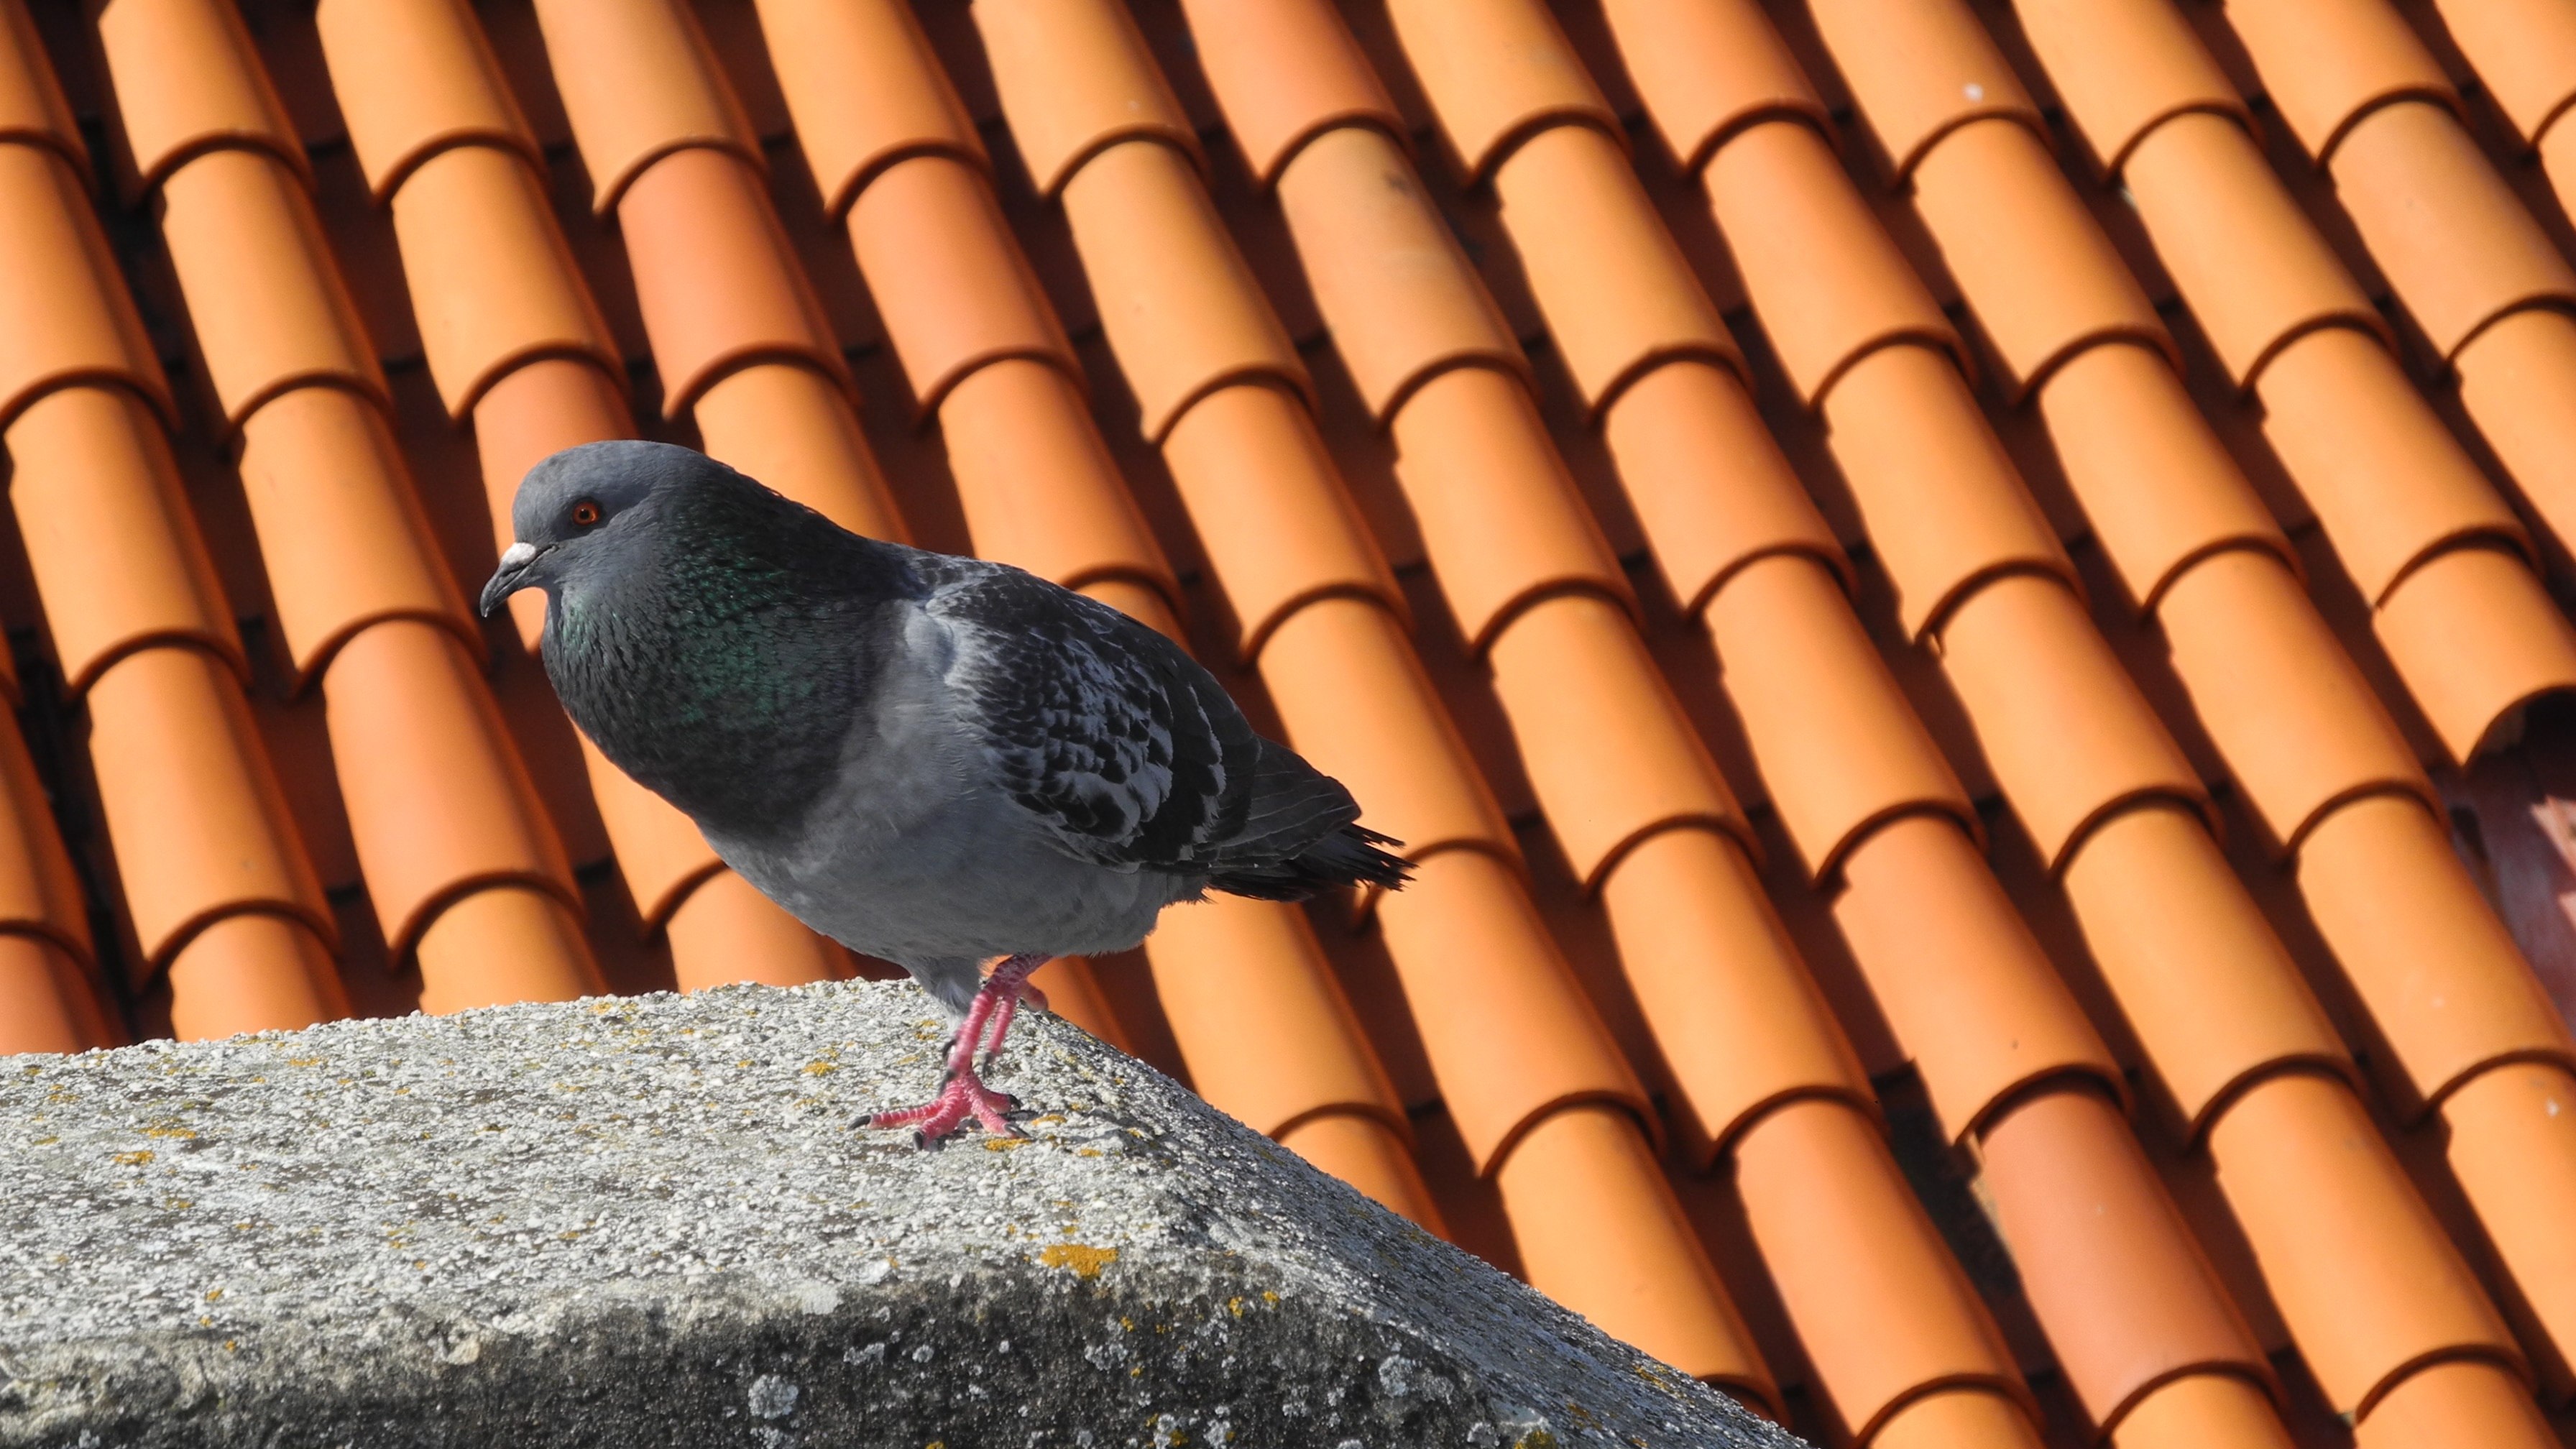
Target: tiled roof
{"x": 1959, "y": 605}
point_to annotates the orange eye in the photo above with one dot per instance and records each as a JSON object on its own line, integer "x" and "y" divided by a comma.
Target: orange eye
{"x": 585, "y": 513}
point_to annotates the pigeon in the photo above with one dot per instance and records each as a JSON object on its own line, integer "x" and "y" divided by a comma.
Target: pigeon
{"x": 934, "y": 760}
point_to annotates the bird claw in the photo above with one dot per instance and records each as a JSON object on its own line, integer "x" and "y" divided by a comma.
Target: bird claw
{"x": 962, "y": 1096}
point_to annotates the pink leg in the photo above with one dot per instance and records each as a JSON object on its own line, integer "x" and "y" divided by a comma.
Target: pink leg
{"x": 961, "y": 1093}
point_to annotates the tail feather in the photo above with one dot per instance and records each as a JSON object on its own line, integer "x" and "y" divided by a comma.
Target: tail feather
{"x": 1348, "y": 856}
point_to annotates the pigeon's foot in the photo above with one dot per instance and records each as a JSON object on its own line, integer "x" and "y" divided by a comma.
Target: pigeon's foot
{"x": 962, "y": 1094}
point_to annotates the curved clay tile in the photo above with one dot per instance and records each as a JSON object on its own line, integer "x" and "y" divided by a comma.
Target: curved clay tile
{"x": 793, "y": 428}
{"x": 1882, "y": 1309}
{"x": 2457, "y": 246}
{"x": 2069, "y": 736}
{"x": 1595, "y": 1222}
{"x": 2160, "y": 489}
{"x": 32, "y": 109}
{"x": 2125, "y": 67}
{"x": 2390, "y": 486}
{"x": 501, "y": 281}
{"x": 344, "y": 536}
{"x": 2354, "y": 1259}
{"x": 190, "y": 802}
{"x": 2466, "y": 1401}
{"x": 1385, "y": 270}
{"x": 253, "y": 972}
{"x": 637, "y": 86}
{"x": 2073, "y": 1195}
{"x": 270, "y": 311}
{"x": 1174, "y": 293}
{"x": 1928, "y": 70}
{"x": 1572, "y": 671}
{"x": 2525, "y": 52}
{"x": 110, "y": 538}
{"x": 2297, "y": 724}
{"x": 1940, "y": 497}
{"x": 63, "y": 321}
{"x": 1499, "y": 516}
{"x": 853, "y": 126}
{"x": 2210, "y": 993}
{"x": 51, "y": 1006}
{"x": 1708, "y": 484}
{"x": 2016, "y": 239}
{"x": 2329, "y": 63}
{"x": 2255, "y": 273}
{"x": 413, "y": 84}
{"x": 2423, "y": 949}
{"x": 2512, "y": 378}
{"x": 966, "y": 303}
{"x": 188, "y": 80}
{"x": 1037, "y": 484}
{"x": 1611, "y": 281}
{"x": 1250, "y": 455}
{"x": 1715, "y": 70}
{"x": 1497, "y": 75}
{"x": 1841, "y": 751}
{"x": 1290, "y": 74}
{"x": 1075, "y": 80}
{"x": 1746, "y": 1028}
{"x": 716, "y": 277}
{"x": 1975, "y": 998}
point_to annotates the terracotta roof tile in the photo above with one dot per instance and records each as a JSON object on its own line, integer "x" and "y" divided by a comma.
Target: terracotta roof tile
{"x": 505, "y": 280}
{"x": 189, "y": 80}
{"x": 412, "y": 84}
{"x": 2329, "y": 63}
{"x": 1924, "y": 71}
{"x": 2075, "y": 1195}
{"x": 1075, "y": 79}
{"x": 1966, "y": 987}
{"x": 2360, "y": 1269}
{"x": 70, "y": 329}
{"x": 1717, "y": 70}
{"x": 1941, "y": 499}
{"x": 852, "y": 129}
{"x": 32, "y": 108}
{"x": 637, "y": 84}
{"x": 1618, "y": 298}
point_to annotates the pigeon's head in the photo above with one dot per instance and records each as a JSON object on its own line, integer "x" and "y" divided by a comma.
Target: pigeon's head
{"x": 575, "y": 508}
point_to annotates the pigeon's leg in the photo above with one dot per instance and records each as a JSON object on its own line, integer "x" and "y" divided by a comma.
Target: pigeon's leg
{"x": 962, "y": 1094}
{"x": 1009, "y": 984}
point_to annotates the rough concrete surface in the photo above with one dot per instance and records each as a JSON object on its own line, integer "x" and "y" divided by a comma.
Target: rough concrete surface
{"x": 649, "y": 1222}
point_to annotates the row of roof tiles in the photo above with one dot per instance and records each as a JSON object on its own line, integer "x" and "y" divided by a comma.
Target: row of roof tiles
{"x": 460, "y": 861}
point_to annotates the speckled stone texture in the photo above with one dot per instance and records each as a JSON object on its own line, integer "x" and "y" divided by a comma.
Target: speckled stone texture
{"x": 648, "y": 1222}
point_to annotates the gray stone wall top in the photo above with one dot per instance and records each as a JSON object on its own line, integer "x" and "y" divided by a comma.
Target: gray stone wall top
{"x": 647, "y": 1221}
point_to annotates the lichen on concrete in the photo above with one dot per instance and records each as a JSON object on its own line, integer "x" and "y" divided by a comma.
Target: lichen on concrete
{"x": 648, "y": 1221}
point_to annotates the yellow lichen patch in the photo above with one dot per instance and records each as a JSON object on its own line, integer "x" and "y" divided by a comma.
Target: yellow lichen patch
{"x": 133, "y": 1159}
{"x": 1234, "y": 1306}
{"x": 214, "y": 1295}
{"x": 821, "y": 1069}
{"x": 166, "y": 1131}
{"x": 1085, "y": 1261}
{"x": 1004, "y": 1144}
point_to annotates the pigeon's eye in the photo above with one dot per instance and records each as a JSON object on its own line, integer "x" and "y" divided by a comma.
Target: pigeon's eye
{"x": 585, "y": 513}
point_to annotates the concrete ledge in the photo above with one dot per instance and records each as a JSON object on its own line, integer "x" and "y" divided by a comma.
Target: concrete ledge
{"x": 646, "y": 1222}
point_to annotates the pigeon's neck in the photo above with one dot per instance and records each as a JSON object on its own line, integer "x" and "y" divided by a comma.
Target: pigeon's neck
{"x": 726, "y": 678}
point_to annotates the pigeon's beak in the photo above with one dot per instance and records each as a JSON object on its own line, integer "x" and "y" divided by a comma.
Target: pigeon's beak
{"x": 511, "y": 576}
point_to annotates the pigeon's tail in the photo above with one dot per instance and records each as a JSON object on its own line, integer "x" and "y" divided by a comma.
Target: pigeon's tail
{"x": 1350, "y": 855}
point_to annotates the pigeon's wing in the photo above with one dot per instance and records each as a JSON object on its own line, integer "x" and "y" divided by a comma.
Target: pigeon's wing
{"x": 1116, "y": 741}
